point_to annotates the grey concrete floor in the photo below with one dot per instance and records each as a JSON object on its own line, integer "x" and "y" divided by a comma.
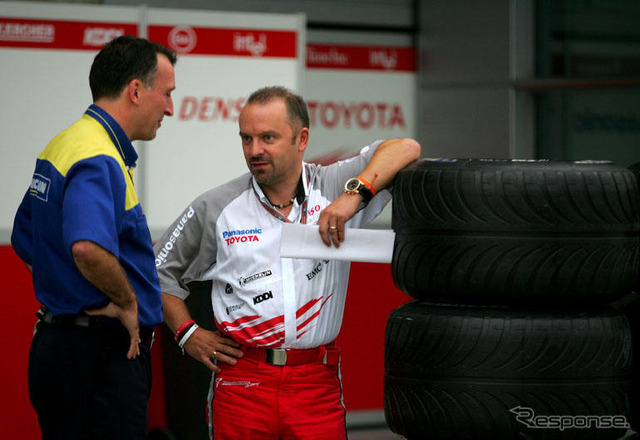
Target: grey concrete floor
{"x": 372, "y": 434}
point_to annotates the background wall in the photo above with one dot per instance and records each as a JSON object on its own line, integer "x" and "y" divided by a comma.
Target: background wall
{"x": 493, "y": 79}
{"x": 179, "y": 383}
{"x": 464, "y": 78}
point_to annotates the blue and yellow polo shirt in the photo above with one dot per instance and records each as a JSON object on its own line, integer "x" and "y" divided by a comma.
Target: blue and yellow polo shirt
{"x": 82, "y": 189}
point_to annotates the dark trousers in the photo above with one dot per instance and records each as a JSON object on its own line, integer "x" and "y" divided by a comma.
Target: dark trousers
{"x": 82, "y": 385}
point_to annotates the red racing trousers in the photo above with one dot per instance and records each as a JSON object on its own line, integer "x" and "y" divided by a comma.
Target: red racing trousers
{"x": 254, "y": 400}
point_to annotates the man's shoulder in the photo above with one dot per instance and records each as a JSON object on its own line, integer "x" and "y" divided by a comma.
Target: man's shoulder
{"x": 224, "y": 194}
{"x": 84, "y": 139}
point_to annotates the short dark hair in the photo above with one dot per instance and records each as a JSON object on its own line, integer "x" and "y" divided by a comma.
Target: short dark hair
{"x": 296, "y": 107}
{"x": 123, "y": 59}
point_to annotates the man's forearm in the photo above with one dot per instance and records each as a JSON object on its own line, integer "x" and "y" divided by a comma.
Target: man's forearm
{"x": 104, "y": 271}
{"x": 175, "y": 311}
{"x": 390, "y": 157}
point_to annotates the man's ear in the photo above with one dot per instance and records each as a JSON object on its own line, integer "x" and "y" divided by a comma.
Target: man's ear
{"x": 133, "y": 90}
{"x": 303, "y": 139}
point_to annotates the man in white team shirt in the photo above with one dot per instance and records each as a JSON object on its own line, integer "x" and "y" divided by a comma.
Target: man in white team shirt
{"x": 275, "y": 365}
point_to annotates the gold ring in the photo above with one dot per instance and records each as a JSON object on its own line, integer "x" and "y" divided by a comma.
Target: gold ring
{"x": 213, "y": 356}
{"x": 333, "y": 228}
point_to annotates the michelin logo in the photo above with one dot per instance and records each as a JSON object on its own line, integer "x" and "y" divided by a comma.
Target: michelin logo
{"x": 40, "y": 187}
{"x": 255, "y": 276}
{"x": 162, "y": 255}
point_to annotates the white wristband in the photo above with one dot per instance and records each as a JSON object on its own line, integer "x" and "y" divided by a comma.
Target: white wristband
{"x": 187, "y": 335}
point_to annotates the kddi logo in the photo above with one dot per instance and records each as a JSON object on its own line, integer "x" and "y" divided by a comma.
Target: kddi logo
{"x": 265, "y": 296}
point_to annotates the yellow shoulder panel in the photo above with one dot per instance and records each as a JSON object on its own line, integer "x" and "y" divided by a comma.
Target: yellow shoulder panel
{"x": 84, "y": 139}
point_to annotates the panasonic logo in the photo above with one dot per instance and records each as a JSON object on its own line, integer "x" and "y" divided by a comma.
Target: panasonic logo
{"x": 168, "y": 246}
{"x": 241, "y": 235}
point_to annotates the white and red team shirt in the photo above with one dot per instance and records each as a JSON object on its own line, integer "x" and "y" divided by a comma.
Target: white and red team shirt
{"x": 259, "y": 299}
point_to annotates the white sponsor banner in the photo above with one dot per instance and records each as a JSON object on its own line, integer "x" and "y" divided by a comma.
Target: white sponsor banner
{"x": 45, "y": 56}
{"x": 358, "y": 93}
{"x": 46, "y": 53}
{"x": 371, "y": 246}
{"x": 223, "y": 58}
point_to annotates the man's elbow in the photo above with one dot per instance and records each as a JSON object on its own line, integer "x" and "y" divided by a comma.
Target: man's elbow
{"x": 409, "y": 149}
{"x": 86, "y": 252}
{"x": 81, "y": 249}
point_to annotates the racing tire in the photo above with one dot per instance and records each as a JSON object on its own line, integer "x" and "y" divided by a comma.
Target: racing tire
{"x": 635, "y": 169}
{"x": 506, "y": 231}
{"x": 505, "y": 373}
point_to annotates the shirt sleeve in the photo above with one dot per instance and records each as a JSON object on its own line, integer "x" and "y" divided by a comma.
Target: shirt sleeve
{"x": 21, "y": 236}
{"x": 185, "y": 251}
{"x": 94, "y": 203}
{"x": 335, "y": 175}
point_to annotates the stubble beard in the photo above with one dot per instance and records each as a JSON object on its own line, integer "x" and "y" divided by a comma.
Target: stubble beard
{"x": 264, "y": 177}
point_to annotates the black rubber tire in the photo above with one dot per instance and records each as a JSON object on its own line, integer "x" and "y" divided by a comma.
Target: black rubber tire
{"x": 456, "y": 372}
{"x": 630, "y": 306}
{"x": 635, "y": 169}
{"x": 500, "y": 231}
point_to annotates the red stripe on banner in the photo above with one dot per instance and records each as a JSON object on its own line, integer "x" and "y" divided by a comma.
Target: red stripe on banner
{"x": 384, "y": 58}
{"x": 56, "y": 34}
{"x": 234, "y": 42}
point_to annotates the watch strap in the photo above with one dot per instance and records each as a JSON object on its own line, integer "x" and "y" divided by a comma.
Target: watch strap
{"x": 367, "y": 185}
{"x": 365, "y": 192}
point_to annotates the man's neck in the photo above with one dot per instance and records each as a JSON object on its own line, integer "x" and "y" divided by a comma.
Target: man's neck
{"x": 117, "y": 111}
{"x": 282, "y": 193}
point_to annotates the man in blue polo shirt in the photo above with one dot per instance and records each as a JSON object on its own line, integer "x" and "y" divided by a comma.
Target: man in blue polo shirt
{"x": 81, "y": 231}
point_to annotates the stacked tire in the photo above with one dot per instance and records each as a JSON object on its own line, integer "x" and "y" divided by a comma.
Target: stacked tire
{"x": 514, "y": 267}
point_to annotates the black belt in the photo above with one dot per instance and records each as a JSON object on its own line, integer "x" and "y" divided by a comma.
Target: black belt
{"x": 147, "y": 334}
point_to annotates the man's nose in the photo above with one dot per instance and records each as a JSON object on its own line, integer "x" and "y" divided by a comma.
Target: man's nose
{"x": 255, "y": 148}
{"x": 169, "y": 110}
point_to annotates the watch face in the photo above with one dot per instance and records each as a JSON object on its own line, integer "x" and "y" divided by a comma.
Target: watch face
{"x": 352, "y": 184}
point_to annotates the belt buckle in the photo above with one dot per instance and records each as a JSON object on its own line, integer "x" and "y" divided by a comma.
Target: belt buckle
{"x": 276, "y": 356}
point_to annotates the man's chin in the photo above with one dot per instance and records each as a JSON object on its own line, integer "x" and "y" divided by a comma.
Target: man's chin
{"x": 262, "y": 177}
{"x": 148, "y": 137}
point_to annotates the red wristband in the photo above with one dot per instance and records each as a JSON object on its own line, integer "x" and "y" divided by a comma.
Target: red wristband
{"x": 182, "y": 328}
{"x": 369, "y": 186}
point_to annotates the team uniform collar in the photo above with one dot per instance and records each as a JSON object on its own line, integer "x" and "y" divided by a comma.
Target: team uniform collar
{"x": 303, "y": 190}
{"x": 116, "y": 133}
{"x": 300, "y": 201}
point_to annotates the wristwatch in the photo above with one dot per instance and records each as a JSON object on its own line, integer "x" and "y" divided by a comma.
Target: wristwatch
{"x": 359, "y": 186}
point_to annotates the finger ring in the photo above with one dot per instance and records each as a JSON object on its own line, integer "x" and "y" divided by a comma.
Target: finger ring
{"x": 213, "y": 356}
{"x": 333, "y": 228}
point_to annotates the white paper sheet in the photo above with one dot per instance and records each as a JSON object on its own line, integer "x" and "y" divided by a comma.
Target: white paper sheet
{"x": 366, "y": 245}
